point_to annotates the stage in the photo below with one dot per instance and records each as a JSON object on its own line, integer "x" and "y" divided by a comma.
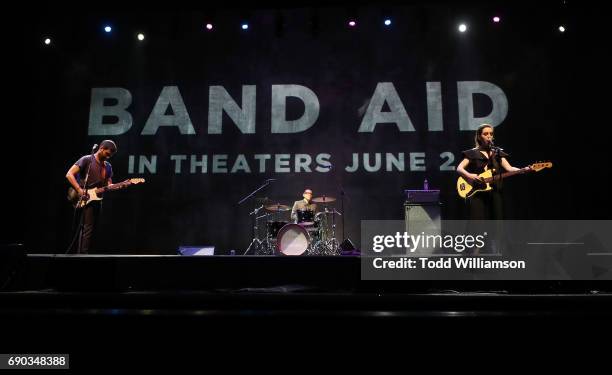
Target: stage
{"x": 188, "y": 306}
{"x": 304, "y": 285}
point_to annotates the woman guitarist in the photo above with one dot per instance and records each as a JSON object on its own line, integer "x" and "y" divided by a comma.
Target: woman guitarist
{"x": 486, "y": 205}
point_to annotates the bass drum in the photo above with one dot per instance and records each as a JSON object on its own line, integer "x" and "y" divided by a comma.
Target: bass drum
{"x": 273, "y": 227}
{"x": 292, "y": 239}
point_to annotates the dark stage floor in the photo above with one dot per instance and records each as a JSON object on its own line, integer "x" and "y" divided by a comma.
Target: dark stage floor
{"x": 306, "y": 285}
{"x": 106, "y": 310}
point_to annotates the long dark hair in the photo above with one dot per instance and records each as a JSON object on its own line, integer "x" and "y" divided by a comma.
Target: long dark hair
{"x": 479, "y": 133}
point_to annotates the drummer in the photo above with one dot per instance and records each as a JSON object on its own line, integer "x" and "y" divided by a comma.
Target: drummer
{"x": 301, "y": 206}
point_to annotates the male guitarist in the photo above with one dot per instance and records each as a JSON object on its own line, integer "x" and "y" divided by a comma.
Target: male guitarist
{"x": 98, "y": 172}
{"x": 485, "y": 205}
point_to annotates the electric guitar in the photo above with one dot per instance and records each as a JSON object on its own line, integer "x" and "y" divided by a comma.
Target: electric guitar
{"x": 467, "y": 190}
{"x": 94, "y": 194}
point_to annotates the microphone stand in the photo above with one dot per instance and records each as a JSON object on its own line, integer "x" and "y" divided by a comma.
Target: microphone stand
{"x": 342, "y": 209}
{"x": 256, "y": 190}
{"x": 254, "y": 213}
{"x": 342, "y": 195}
{"x": 497, "y": 157}
{"x": 495, "y": 154}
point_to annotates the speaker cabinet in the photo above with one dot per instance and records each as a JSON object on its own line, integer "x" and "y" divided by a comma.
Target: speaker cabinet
{"x": 423, "y": 218}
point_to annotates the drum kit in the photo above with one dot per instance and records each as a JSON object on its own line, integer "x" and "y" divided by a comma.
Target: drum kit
{"x": 313, "y": 233}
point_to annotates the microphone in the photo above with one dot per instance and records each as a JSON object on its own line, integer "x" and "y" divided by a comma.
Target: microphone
{"x": 493, "y": 147}
{"x": 271, "y": 179}
{"x": 94, "y": 147}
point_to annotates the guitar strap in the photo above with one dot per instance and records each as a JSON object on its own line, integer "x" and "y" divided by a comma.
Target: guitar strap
{"x": 107, "y": 171}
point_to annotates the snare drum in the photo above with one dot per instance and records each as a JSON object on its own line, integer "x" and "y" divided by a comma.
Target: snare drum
{"x": 305, "y": 217}
{"x": 293, "y": 239}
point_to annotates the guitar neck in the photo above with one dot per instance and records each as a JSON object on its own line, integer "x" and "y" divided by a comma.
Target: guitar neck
{"x": 503, "y": 175}
{"x": 112, "y": 187}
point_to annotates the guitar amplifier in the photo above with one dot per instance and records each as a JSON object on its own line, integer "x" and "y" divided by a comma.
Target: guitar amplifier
{"x": 423, "y": 220}
{"x": 422, "y": 196}
{"x": 422, "y": 206}
{"x": 422, "y": 214}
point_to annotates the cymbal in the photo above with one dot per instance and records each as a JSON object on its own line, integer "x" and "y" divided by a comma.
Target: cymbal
{"x": 323, "y": 199}
{"x": 277, "y": 207}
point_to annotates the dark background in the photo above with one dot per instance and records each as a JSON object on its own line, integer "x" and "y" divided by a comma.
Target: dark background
{"x": 555, "y": 84}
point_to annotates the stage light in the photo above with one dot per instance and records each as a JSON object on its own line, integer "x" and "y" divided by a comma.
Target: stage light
{"x": 462, "y": 28}
{"x": 140, "y": 36}
{"x": 352, "y": 23}
{"x": 496, "y": 19}
{"x": 108, "y": 29}
{"x": 47, "y": 41}
{"x": 387, "y": 22}
{"x": 245, "y": 26}
{"x": 562, "y": 28}
{"x": 209, "y": 26}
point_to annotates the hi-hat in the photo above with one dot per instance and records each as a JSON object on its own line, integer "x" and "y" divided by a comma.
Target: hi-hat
{"x": 323, "y": 199}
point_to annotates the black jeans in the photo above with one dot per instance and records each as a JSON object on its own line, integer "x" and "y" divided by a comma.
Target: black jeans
{"x": 485, "y": 206}
{"x": 89, "y": 218}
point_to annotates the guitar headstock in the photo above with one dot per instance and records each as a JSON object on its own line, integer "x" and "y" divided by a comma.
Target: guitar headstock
{"x": 536, "y": 167}
{"x": 134, "y": 181}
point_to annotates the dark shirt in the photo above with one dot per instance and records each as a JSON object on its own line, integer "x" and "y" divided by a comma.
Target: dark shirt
{"x": 99, "y": 173}
{"x": 302, "y": 206}
{"x": 478, "y": 162}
